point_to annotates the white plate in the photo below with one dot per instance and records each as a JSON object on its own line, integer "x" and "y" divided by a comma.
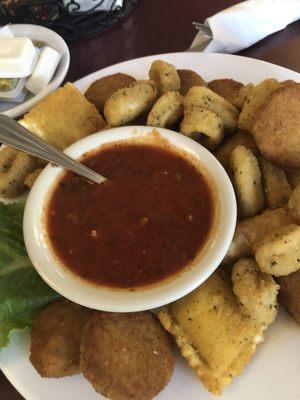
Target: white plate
{"x": 273, "y": 373}
{"x": 52, "y": 39}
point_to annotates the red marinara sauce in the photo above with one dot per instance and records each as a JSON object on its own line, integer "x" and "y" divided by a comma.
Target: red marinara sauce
{"x": 145, "y": 224}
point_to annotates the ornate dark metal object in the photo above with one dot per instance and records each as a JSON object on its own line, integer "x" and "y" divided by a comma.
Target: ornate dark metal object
{"x": 64, "y": 17}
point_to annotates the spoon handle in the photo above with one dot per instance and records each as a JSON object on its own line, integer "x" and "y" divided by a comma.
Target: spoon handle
{"x": 15, "y": 135}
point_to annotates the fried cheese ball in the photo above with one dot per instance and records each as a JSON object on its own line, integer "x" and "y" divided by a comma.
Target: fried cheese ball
{"x": 14, "y": 167}
{"x": 165, "y": 76}
{"x": 239, "y": 138}
{"x": 203, "y": 97}
{"x": 276, "y": 186}
{"x": 203, "y": 125}
{"x": 247, "y": 181}
{"x": 126, "y": 356}
{"x": 276, "y": 127}
{"x": 250, "y": 232}
{"x": 167, "y": 110}
{"x": 255, "y": 98}
{"x": 100, "y": 90}
{"x": 126, "y": 104}
{"x": 289, "y": 293}
{"x": 188, "y": 79}
{"x": 279, "y": 252}
{"x": 55, "y": 339}
{"x": 255, "y": 290}
{"x": 227, "y": 88}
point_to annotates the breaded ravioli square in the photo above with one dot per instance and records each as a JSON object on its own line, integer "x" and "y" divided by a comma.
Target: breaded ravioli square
{"x": 63, "y": 117}
{"x": 55, "y": 339}
{"x": 212, "y": 333}
{"x": 126, "y": 356}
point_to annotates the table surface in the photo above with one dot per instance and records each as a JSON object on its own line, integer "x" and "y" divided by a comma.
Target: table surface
{"x": 156, "y": 27}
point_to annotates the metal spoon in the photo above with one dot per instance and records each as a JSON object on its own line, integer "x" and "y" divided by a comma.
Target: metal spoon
{"x": 15, "y": 135}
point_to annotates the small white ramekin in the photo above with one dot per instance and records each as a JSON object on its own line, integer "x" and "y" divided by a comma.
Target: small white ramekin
{"x": 124, "y": 300}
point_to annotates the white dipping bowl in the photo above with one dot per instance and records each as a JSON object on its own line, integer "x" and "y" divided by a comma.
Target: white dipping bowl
{"x": 123, "y": 300}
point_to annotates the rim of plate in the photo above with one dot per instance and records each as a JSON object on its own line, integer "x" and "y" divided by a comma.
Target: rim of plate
{"x": 51, "y": 38}
{"x": 124, "y": 300}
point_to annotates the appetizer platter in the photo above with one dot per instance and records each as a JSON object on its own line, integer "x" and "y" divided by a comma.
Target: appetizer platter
{"x": 237, "y": 335}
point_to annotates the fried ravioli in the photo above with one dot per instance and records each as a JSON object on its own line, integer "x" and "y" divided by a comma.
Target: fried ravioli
{"x": 212, "y": 333}
{"x": 100, "y": 90}
{"x": 126, "y": 356}
{"x": 63, "y": 117}
{"x": 276, "y": 127}
{"x": 55, "y": 339}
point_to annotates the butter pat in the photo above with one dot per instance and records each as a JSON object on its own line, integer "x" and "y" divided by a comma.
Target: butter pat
{"x": 6, "y": 32}
{"x": 17, "y": 57}
{"x": 44, "y": 70}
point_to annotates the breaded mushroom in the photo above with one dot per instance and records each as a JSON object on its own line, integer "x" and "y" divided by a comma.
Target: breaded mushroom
{"x": 276, "y": 127}
{"x": 250, "y": 232}
{"x": 247, "y": 181}
{"x": 188, "y": 79}
{"x": 165, "y": 76}
{"x": 167, "y": 110}
{"x": 55, "y": 339}
{"x": 276, "y": 186}
{"x": 279, "y": 252}
{"x": 255, "y": 290}
{"x": 239, "y": 138}
{"x": 100, "y": 90}
{"x": 289, "y": 293}
{"x": 227, "y": 88}
{"x": 126, "y": 356}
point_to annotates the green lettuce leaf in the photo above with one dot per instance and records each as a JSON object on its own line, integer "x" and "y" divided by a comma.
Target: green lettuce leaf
{"x": 22, "y": 292}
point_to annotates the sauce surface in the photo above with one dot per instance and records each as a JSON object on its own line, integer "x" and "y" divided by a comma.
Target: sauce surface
{"x": 145, "y": 224}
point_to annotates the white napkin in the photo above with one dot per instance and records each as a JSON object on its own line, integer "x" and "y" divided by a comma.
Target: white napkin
{"x": 246, "y": 23}
{"x": 86, "y": 5}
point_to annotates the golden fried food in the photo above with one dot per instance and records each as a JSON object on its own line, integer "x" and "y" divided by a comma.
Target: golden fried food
{"x": 289, "y": 293}
{"x": 293, "y": 176}
{"x": 203, "y": 97}
{"x": 276, "y": 186}
{"x": 55, "y": 339}
{"x": 255, "y": 290}
{"x": 240, "y": 97}
{"x": 294, "y": 204}
{"x": 188, "y": 79}
{"x": 279, "y": 252}
{"x": 126, "y": 104}
{"x": 126, "y": 355}
{"x": 31, "y": 178}
{"x": 165, "y": 77}
{"x": 203, "y": 125}
{"x": 277, "y": 125}
{"x": 255, "y": 98}
{"x": 63, "y": 117}
{"x": 227, "y": 88}
{"x": 250, "y": 232}
{"x": 239, "y": 138}
{"x": 167, "y": 110}
{"x": 14, "y": 167}
{"x": 247, "y": 181}
{"x": 100, "y": 90}
{"x": 212, "y": 333}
